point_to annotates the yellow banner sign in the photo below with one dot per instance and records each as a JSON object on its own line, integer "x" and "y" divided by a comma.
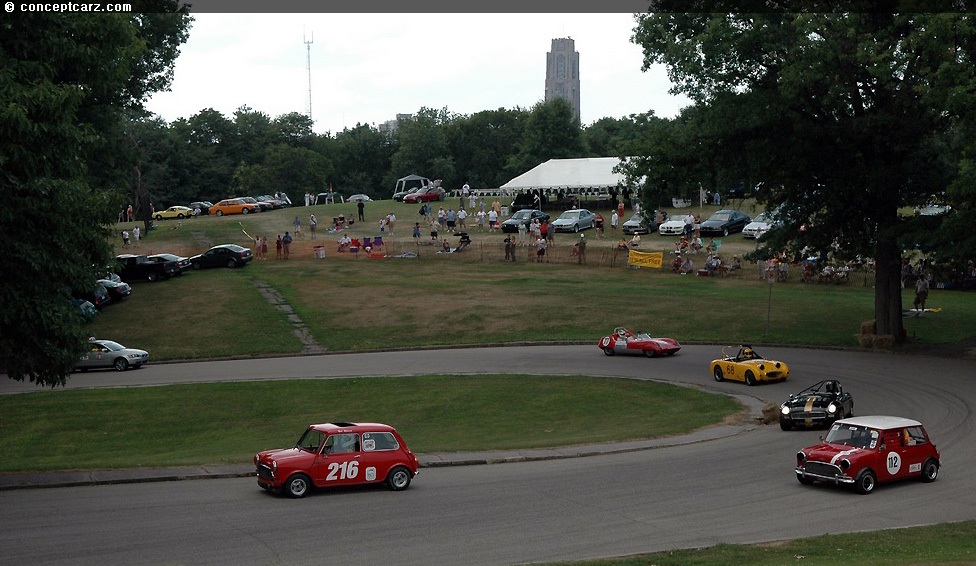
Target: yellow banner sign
{"x": 645, "y": 259}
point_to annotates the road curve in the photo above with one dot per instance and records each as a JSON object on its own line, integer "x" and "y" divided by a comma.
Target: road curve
{"x": 737, "y": 489}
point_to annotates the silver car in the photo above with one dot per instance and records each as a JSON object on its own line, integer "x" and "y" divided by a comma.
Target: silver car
{"x": 108, "y": 354}
{"x": 574, "y": 220}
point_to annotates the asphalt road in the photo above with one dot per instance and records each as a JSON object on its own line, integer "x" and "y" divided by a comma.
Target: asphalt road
{"x": 736, "y": 489}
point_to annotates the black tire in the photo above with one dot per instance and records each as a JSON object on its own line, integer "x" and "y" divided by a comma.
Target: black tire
{"x": 244, "y": 211}
{"x": 152, "y": 276}
{"x": 575, "y": 227}
{"x": 718, "y": 375}
{"x": 121, "y": 364}
{"x": 196, "y": 266}
{"x": 220, "y": 213}
{"x": 399, "y": 478}
{"x": 297, "y": 486}
{"x": 609, "y": 351}
{"x": 650, "y": 353}
{"x": 231, "y": 263}
{"x": 866, "y": 482}
{"x": 750, "y": 378}
{"x": 159, "y": 217}
{"x": 725, "y": 231}
{"x": 804, "y": 480}
{"x": 930, "y": 471}
{"x": 785, "y": 425}
{"x": 180, "y": 216}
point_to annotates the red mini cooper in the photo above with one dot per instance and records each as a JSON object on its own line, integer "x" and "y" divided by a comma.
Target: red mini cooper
{"x": 333, "y": 454}
{"x": 865, "y": 451}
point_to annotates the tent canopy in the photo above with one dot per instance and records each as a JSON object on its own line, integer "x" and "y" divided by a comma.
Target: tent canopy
{"x": 583, "y": 173}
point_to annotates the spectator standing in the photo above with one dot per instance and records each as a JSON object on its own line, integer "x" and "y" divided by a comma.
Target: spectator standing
{"x": 442, "y": 217}
{"x": 391, "y": 221}
{"x": 598, "y": 225}
{"x": 125, "y": 238}
{"x": 279, "y": 248}
{"x": 620, "y": 209}
{"x": 521, "y": 234}
{"x": 135, "y": 235}
{"x": 547, "y": 232}
{"x": 264, "y": 247}
{"x": 614, "y": 220}
{"x": 492, "y": 220}
{"x": 509, "y": 249}
{"x": 461, "y": 215}
{"x": 540, "y": 250}
{"x": 298, "y": 230}
{"x": 286, "y": 242}
{"x": 416, "y": 233}
{"x": 921, "y": 293}
{"x": 689, "y": 224}
{"x": 312, "y": 224}
{"x": 451, "y": 219}
{"x": 472, "y": 201}
{"x": 581, "y": 250}
{"x": 481, "y": 220}
{"x": 361, "y": 207}
{"x": 129, "y": 214}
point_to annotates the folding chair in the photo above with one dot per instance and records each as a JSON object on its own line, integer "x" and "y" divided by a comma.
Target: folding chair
{"x": 367, "y": 243}
{"x": 354, "y": 246}
{"x": 378, "y": 242}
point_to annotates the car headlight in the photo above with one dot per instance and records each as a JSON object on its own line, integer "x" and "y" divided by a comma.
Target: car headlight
{"x": 800, "y": 458}
{"x": 832, "y": 408}
{"x": 785, "y": 410}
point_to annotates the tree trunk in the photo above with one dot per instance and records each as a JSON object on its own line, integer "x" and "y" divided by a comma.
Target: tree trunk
{"x": 143, "y": 202}
{"x": 887, "y": 290}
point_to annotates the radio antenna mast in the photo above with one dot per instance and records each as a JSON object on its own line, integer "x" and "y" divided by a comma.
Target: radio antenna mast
{"x": 308, "y": 65}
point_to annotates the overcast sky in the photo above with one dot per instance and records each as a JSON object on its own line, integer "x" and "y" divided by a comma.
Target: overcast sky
{"x": 367, "y": 68}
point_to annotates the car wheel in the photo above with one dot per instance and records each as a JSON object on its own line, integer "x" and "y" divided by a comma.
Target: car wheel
{"x": 575, "y": 227}
{"x": 220, "y": 213}
{"x": 785, "y": 425}
{"x": 121, "y": 364}
{"x": 804, "y": 480}
{"x": 719, "y": 376}
{"x": 180, "y": 216}
{"x": 750, "y": 378}
{"x": 297, "y": 486}
{"x": 930, "y": 471}
{"x": 865, "y": 482}
{"x": 725, "y": 231}
{"x": 159, "y": 217}
{"x": 244, "y": 211}
{"x": 609, "y": 351}
{"x": 231, "y": 263}
{"x": 398, "y": 479}
{"x": 650, "y": 353}
{"x": 196, "y": 266}
{"x": 152, "y": 276}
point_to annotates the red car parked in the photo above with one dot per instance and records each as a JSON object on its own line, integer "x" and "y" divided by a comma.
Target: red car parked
{"x": 865, "y": 451}
{"x": 334, "y": 454}
{"x": 426, "y": 194}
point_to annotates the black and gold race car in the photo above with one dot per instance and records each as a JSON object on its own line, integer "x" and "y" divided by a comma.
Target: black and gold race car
{"x": 816, "y": 406}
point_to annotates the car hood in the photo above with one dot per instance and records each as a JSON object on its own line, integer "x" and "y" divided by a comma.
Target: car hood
{"x": 283, "y": 455}
{"x": 832, "y": 453}
{"x": 714, "y": 223}
{"x": 819, "y": 400}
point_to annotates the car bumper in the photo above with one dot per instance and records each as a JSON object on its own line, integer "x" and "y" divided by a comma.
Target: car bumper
{"x": 825, "y": 477}
{"x": 670, "y": 231}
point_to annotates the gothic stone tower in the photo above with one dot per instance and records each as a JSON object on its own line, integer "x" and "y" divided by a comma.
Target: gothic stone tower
{"x": 562, "y": 73}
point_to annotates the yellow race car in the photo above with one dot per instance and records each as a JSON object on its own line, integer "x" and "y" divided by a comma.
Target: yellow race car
{"x": 748, "y": 366}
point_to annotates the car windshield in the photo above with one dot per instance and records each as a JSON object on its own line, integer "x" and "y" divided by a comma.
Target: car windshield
{"x": 763, "y": 217}
{"x": 522, "y": 215}
{"x": 114, "y": 346}
{"x": 569, "y": 215}
{"x": 638, "y": 218}
{"x": 311, "y": 440}
{"x": 853, "y": 435}
{"x": 721, "y": 216}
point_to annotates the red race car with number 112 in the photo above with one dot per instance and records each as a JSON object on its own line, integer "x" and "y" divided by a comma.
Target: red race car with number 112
{"x": 623, "y": 341}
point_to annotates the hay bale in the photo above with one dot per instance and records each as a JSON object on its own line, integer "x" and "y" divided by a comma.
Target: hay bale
{"x": 865, "y": 340}
{"x": 869, "y": 327}
{"x": 883, "y": 341}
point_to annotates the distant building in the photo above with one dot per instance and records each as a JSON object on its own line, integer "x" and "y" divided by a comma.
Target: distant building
{"x": 391, "y": 125}
{"x": 562, "y": 73}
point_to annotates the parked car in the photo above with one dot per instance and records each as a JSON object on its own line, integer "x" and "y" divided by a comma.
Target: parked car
{"x": 864, "y": 451}
{"x": 338, "y": 454}
{"x": 328, "y": 198}
{"x": 178, "y": 212}
{"x": 748, "y": 366}
{"x": 573, "y": 220}
{"x": 399, "y": 195}
{"x": 673, "y": 227}
{"x": 201, "y": 207}
{"x": 137, "y": 267}
{"x": 528, "y": 200}
{"x": 223, "y": 255}
{"x": 358, "y": 198}
{"x": 524, "y": 216}
{"x": 640, "y": 224}
{"x": 759, "y": 226}
{"x": 182, "y": 262}
{"x": 234, "y": 206}
{"x": 426, "y": 194}
{"x": 97, "y": 296}
{"x": 109, "y": 354}
{"x": 263, "y": 206}
{"x": 274, "y": 201}
{"x": 724, "y": 222}
{"x": 118, "y": 290}
{"x": 818, "y": 405}
{"x": 85, "y": 309}
{"x": 623, "y": 341}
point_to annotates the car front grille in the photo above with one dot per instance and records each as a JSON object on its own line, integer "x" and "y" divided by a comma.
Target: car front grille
{"x": 822, "y": 469}
{"x": 264, "y": 472}
{"x": 800, "y": 414}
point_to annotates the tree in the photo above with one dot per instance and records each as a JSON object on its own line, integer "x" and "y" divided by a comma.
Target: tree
{"x": 552, "y": 131}
{"x": 423, "y": 148}
{"x": 67, "y": 84}
{"x": 482, "y": 144}
{"x": 843, "y": 118}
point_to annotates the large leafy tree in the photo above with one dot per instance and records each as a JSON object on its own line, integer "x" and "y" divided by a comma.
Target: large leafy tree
{"x": 843, "y": 117}
{"x": 552, "y": 131}
{"x": 482, "y": 143}
{"x": 67, "y": 83}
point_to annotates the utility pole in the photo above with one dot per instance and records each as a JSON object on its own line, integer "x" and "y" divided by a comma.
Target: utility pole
{"x": 308, "y": 65}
